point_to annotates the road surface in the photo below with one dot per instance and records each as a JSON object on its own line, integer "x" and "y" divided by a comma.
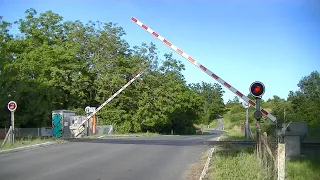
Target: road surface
{"x": 216, "y": 130}
{"x": 141, "y": 158}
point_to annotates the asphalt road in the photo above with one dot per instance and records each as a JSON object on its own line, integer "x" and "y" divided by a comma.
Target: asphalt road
{"x": 217, "y": 129}
{"x": 152, "y": 158}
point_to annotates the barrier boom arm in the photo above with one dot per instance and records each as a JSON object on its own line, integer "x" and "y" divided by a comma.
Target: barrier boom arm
{"x": 81, "y": 128}
{"x": 203, "y": 68}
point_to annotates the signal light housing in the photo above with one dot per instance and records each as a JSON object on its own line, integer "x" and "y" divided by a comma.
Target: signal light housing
{"x": 257, "y": 89}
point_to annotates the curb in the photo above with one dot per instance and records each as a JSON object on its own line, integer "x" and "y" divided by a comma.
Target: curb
{"x": 206, "y": 166}
{"x": 45, "y": 144}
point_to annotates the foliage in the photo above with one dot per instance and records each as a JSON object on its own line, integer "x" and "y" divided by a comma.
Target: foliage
{"x": 57, "y": 64}
{"x": 306, "y": 101}
{"x": 213, "y": 105}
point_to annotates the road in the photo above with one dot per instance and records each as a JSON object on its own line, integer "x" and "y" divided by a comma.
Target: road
{"x": 139, "y": 158}
{"x": 217, "y": 129}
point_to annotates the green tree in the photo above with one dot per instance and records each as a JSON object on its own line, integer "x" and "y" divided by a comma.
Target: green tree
{"x": 212, "y": 94}
{"x": 306, "y": 101}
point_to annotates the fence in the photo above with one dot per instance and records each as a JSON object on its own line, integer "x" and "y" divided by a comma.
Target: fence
{"x": 28, "y": 132}
{"x": 267, "y": 155}
{"x": 107, "y": 129}
{"x": 47, "y": 132}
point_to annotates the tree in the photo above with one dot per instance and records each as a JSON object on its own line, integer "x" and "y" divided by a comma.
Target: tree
{"x": 306, "y": 101}
{"x": 212, "y": 94}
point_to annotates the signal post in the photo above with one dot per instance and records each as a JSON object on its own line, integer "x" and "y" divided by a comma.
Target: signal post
{"x": 257, "y": 89}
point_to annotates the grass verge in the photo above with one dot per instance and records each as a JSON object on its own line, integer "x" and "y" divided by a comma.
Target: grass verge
{"x": 239, "y": 162}
{"x": 27, "y": 141}
{"x": 306, "y": 167}
{"x": 235, "y": 162}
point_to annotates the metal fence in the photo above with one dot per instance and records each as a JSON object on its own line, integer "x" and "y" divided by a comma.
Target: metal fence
{"x": 266, "y": 151}
{"x": 28, "y": 132}
{"x": 47, "y": 131}
{"x": 107, "y": 129}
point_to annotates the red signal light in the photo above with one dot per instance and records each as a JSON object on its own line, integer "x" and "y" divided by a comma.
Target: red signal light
{"x": 257, "y": 89}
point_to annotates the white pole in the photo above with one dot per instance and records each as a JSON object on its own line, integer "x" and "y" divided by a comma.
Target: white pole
{"x": 12, "y": 124}
{"x": 247, "y": 123}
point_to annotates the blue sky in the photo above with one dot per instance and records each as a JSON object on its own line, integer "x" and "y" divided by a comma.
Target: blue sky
{"x": 276, "y": 42}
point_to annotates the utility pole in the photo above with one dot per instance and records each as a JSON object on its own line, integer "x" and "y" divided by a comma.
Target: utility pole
{"x": 258, "y": 117}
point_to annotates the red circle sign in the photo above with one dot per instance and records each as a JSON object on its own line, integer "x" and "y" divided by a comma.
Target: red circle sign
{"x": 12, "y": 106}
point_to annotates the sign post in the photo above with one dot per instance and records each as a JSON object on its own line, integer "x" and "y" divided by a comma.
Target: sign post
{"x": 89, "y": 110}
{"x": 12, "y": 106}
{"x": 246, "y": 106}
{"x": 257, "y": 90}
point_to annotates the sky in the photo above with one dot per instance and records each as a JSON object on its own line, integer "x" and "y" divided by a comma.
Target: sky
{"x": 276, "y": 42}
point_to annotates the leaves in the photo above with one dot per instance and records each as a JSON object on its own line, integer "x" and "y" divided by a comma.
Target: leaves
{"x": 54, "y": 64}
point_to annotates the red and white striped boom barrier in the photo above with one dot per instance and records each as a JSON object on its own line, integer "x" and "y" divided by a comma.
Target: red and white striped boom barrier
{"x": 203, "y": 68}
{"x": 79, "y": 128}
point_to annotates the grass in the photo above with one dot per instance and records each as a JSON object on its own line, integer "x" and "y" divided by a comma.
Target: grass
{"x": 302, "y": 169}
{"x": 239, "y": 162}
{"x": 235, "y": 162}
{"x": 213, "y": 123}
{"x": 26, "y": 141}
{"x": 233, "y": 129}
{"x": 306, "y": 167}
{"x": 227, "y": 122}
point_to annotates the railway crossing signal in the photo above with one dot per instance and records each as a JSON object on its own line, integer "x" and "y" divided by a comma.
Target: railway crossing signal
{"x": 257, "y": 89}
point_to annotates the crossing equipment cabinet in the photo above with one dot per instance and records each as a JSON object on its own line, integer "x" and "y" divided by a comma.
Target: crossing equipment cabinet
{"x": 294, "y": 133}
{"x": 61, "y": 121}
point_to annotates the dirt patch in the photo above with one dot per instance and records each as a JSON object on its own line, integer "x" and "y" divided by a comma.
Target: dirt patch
{"x": 195, "y": 169}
